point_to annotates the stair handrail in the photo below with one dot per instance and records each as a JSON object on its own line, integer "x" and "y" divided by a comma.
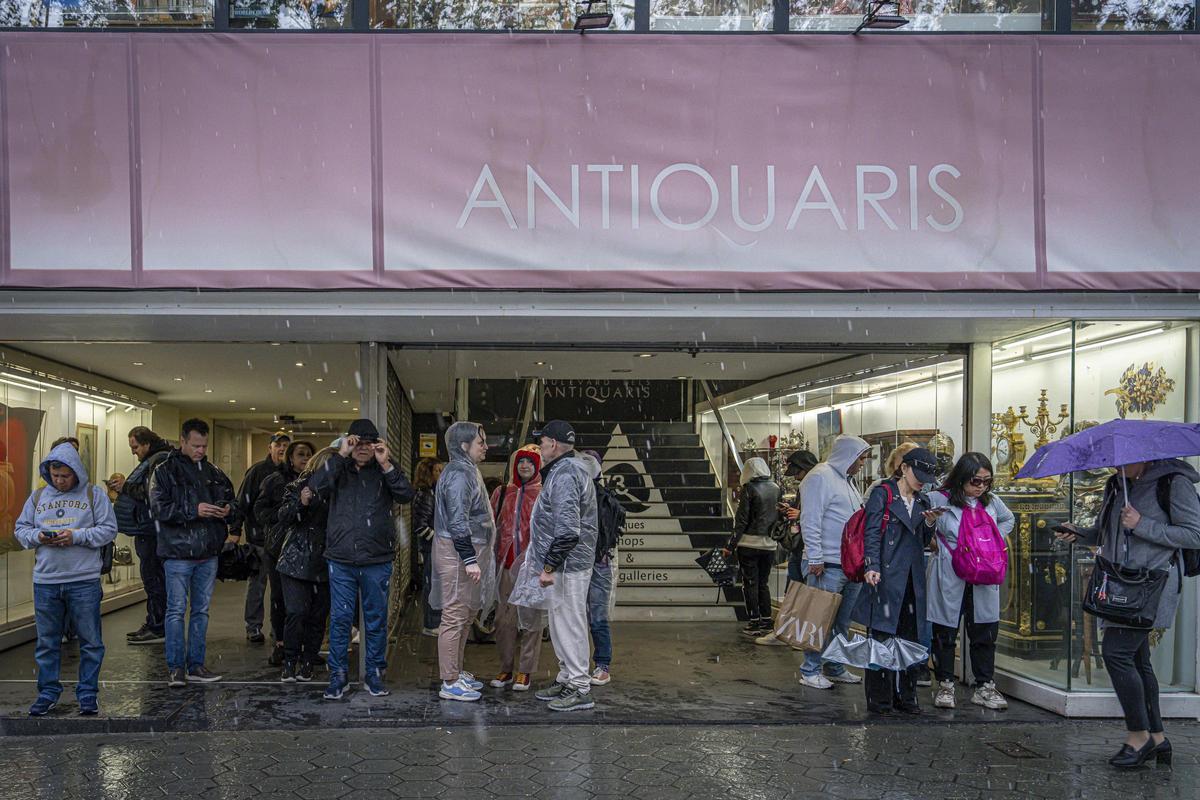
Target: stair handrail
{"x": 729, "y": 443}
{"x": 521, "y": 427}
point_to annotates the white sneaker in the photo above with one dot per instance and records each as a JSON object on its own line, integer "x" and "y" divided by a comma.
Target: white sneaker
{"x": 845, "y": 677}
{"x": 600, "y": 677}
{"x": 771, "y": 640}
{"x": 988, "y": 697}
{"x": 817, "y": 681}
{"x": 944, "y": 696}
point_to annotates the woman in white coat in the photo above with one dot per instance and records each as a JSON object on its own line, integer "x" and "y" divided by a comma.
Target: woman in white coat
{"x": 968, "y": 488}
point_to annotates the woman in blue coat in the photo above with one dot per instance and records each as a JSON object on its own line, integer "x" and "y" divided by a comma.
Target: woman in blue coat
{"x": 892, "y": 604}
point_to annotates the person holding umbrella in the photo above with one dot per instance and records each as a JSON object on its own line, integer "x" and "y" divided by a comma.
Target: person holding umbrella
{"x": 898, "y": 525}
{"x": 1149, "y": 515}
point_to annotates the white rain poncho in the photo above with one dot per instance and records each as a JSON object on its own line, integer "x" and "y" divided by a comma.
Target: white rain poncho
{"x": 463, "y": 515}
{"x": 565, "y": 511}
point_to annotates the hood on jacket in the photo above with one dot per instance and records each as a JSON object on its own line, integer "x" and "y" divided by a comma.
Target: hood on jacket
{"x": 65, "y": 453}
{"x": 846, "y": 450}
{"x": 532, "y": 455}
{"x": 593, "y": 466}
{"x": 1168, "y": 466}
{"x": 457, "y": 435}
{"x": 755, "y": 468}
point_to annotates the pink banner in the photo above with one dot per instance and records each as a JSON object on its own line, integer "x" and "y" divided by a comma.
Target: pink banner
{"x": 676, "y": 162}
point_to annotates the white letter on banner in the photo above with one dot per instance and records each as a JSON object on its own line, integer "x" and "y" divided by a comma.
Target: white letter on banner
{"x": 942, "y": 193}
{"x": 473, "y": 202}
{"x": 914, "y": 214}
{"x": 815, "y": 180}
{"x": 714, "y": 196}
{"x": 873, "y": 198}
{"x": 532, "y": 179}
{"x": 737, "y": 210}
{"x": 635, "y": 190}
{"x": 604, "y": 169}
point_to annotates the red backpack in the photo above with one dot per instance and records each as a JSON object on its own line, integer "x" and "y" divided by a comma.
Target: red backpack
{"x": 854, "y": 554}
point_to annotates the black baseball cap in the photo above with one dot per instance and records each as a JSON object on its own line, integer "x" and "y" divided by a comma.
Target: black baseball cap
{"x": 280, "y": 437}
{"x": 799, "y": 461}
{"x": 557, "y": 430}
{"x": 923, "y": 463}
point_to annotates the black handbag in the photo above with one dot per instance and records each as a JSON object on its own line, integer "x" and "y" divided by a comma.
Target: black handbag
{"x": 720, "y": 569}
{"x": 1123, "y": 595}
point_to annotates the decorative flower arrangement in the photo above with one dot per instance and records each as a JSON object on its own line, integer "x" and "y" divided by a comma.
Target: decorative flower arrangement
{"x": 1141, "y": 390}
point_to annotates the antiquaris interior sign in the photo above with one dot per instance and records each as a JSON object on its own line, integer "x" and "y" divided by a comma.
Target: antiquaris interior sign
{"x": 677, "y": 162}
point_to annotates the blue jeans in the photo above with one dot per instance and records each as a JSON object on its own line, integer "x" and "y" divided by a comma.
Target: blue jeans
{"x": 831, "y": 580}
{"x": 796, "y": 565}
{"x": 924, "y": 626}
{"x": 599, "y": 592}
{"x": 53, "y": 605}
{"x": 346, "y": 582}
{"x": 188, "y": 579}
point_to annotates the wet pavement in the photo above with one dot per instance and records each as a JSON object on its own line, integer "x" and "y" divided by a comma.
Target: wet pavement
{"x": 1002, "y": 761}
{"x": 663, "y": 673}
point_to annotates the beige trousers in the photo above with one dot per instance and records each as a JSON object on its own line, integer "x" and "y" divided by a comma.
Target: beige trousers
{"x": 456, "y": 614}
{"x": 507, "y": 628}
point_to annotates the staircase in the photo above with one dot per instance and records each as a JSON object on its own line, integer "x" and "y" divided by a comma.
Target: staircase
{"x": 661, "y": 475}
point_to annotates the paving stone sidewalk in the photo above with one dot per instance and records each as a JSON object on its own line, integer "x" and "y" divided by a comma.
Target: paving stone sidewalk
{"x": 1004, "y": 761}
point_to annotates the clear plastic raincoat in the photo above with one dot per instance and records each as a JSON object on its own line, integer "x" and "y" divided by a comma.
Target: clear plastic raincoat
{"x": 464, "y": 516}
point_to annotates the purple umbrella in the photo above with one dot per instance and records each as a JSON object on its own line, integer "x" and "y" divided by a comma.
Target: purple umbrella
{"x": 1112, "y": 444}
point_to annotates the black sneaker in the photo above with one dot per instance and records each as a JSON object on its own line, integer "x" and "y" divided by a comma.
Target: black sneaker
{"x": 276, "y": 657}
{"x": 255, "y": 636}
{"x": 89, "y": 706}
{"x": 754, "y": 629}
{"x": 202, "y": 675}
{"x": 138, "y": 632}
{"x": 289, "y": 672}
{"x": 147, "y": 637}
{"x": 305, "y": 673}
{"x": 42, "y": 706}
{"x": 177, "y": 678}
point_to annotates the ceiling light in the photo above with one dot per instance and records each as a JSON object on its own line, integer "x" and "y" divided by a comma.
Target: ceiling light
{"x": 345, "y": 401}
{"x": 22, "y": 385}
{"x": 320, "y": 380}
{"x": 681, "y": 377}
{"x": 333, "y": 391}
{"x": 274, "y": 344}
{"x": 233, "y": 401}
{"x": 208, "y": 391}
{"x": 138, "y": 364}
{"x": 178, "y": 378}
{"x": 355, "y": 408}
{"x": 252, "y": 408}
{"x": 1030, "y": 339}
{"x": 539, "y": 363}
{"x": 645, "y": 355}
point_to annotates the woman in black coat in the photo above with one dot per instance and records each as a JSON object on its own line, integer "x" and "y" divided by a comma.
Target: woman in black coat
{"x": 892, "y": 604}
{"x": 425, "y": 479}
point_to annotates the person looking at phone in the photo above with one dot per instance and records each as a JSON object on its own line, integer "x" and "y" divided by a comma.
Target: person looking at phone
{"x": 1149, "y": 514}
{"x": 197, "y": 514}
{"x": 134, "y": 520}
{"x": 68, "y": 522}
{"x": 362, "y": 484}
{"x": 966, "y": 496}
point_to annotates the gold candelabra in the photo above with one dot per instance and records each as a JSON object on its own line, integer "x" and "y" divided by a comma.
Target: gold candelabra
{"x": 1011, "y": 449}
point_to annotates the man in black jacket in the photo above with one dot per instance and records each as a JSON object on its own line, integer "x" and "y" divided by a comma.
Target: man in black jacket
{"x": 255, "y": 534}
{"x": 360, "y": 543}
{"x": 134, "y": 520}
{"x": 196, "y": 510}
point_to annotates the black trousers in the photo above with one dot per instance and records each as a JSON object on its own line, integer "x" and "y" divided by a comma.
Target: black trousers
{"x": 886, "y": 689}
{"x": 756, "y": 581}
{"x": 278, "y": 604}
{"x": 430, "y": 617}
{"x": 1127, "y": 658}
{"x": 981, "y": 636}
{"x": 307, "y": 613}
{"x": 154, "y": 581}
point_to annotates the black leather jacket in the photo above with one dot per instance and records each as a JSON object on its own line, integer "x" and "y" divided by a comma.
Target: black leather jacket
{"x": 266, "y": 507}
{"x": 302, "y": 551}
{"x": 756, "y": 511}
{"x": 360, "y": 530}
{"x": 177, "y": 486}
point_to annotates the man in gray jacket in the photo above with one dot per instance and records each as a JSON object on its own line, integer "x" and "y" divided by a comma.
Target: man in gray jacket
{"x": 828, "y": 498}
{"x": 565, "y": 517}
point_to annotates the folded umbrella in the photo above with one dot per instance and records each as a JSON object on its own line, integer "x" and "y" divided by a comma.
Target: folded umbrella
{"x": 869, "y": 653}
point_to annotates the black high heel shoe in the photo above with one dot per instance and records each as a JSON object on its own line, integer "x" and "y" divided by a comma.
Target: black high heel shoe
{"x": 1131, "y": 758}
{"x": 1162, "y": 753}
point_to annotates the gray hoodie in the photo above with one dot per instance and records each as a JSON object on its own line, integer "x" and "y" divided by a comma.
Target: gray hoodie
{"x": 1156, "y": 539}
{"x": 828, "y": 498}
{"x": 92, "y": 520}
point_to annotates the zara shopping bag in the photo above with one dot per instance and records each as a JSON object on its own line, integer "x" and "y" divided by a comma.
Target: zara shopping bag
{"x": 806, "y": 616}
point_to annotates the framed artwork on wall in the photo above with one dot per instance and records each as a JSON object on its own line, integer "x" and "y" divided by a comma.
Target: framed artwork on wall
{"x": 88, "y": 447}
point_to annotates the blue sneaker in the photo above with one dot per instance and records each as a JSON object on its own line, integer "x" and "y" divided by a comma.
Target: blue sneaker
{"x": 375, "y": 684}
{"x": 458, "y": 691}
{"x": 468, "y": 680}
{"x": 42, "y": 706}
{"x": 337, "y": 686}
{"x": 88, "y": 706}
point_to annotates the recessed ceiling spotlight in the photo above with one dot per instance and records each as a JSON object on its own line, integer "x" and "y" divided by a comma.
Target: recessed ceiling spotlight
{"x": 252, "y": 408}
{"x": 539, "y": 363}
{"x": 682, "y": 377}
{"x": 275, "y": 344}
{"x": 333, "y": 391}
{"x": 179, "y": 377}
{"x": 299, "y": 363}
{"x": 320, "y": 380}
{"x": 233, "y": 401}
{"x": 208, "y": 391}
{"x": 138, "y": 364}
{"x": 345, "y": 401}
{"x": 645, "y": 355}
{"x": 355, "y": 408}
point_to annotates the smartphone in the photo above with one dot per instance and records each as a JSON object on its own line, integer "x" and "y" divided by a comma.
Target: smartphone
{"x": 1060, "y": 528}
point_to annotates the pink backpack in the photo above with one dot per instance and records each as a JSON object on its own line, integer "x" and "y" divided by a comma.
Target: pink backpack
{"x": 981, "y": 558}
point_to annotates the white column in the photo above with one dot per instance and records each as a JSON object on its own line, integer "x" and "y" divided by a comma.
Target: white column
{"x": 979, "y": 399}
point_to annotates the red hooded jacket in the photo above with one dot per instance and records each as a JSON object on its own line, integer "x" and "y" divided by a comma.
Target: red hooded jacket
{"x": 518, "y": 505}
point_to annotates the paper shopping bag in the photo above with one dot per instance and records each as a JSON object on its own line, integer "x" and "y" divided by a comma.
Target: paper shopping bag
{"x": 806, "y": 617}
